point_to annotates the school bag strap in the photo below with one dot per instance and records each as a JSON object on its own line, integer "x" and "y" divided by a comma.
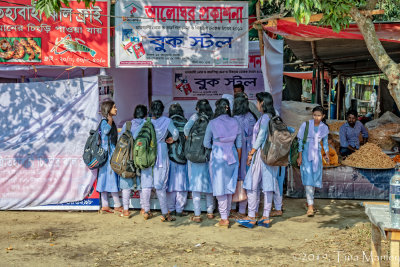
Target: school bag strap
{"x": 132, "y": 143}
{"x": 305, "y": 136}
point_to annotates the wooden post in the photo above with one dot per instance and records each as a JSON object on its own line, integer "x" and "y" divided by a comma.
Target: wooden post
{"x": 149, "y": 86}
{"x": 260, "y": 31}
{"x": 329, "y": 95}
{"x": 375, "y": 246}
{"x": 318, "y": 86}
{"x": 344, "y": 99}
{"x": 22, "y": 79}
{"x": 338, "y": 97}
{"x": 322, "y": 85}
{"x": 378, "y": 101}
{"x": 83, "y": 73}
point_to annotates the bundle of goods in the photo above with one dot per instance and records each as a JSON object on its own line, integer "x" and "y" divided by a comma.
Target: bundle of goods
{"x": 333, "y": 157}
{"x": 381, "y": 130}
{"x": 369, "y": 156}
{"x": 334, "y": 125}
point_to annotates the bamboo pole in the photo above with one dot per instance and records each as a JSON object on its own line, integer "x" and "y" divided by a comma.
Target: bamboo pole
{"x": 338, "y": 96}
{"x": 322, "y": 85}
{"x": 330, "y": 95}
{"x": 260, "y": 31}
{"x": 344, "y": 98}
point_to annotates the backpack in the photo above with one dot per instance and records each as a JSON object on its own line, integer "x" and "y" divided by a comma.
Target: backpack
{"x": 294, "y": 149}
{"x": 145, "y": 149}
{"x": 277, "y": 148}
{"x": 94, "y": 155}
{"x": 176, "y": 150}
{"x": 122, "y": 159}
{"x": 194, "y": 148}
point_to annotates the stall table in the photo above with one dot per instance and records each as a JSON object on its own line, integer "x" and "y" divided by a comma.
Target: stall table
{"x": 379, "y": 216}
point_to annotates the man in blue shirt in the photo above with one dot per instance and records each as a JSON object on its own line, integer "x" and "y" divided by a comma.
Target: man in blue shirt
{"x": 349, "y": 134}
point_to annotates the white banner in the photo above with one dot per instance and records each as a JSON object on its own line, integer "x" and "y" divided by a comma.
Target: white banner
{"x": 44, "y": 130}
{"x": 181, "y": 34}
{"x": 194, "y": 84}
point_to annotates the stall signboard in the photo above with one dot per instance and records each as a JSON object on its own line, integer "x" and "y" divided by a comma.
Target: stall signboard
{"x": 75, "y": 36}
{"x": 181, "y": 34}
{"x": 211, "y": 84}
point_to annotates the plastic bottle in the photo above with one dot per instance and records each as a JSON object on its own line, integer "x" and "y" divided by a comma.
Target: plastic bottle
{"x": 394, "y": 199}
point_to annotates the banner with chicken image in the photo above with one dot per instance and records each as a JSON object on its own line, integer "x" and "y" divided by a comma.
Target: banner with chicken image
{"x": 75, "y": 36}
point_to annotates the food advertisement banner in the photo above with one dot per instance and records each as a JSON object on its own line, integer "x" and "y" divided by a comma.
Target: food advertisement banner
{"x": 181, "y": 34}
{"x": 75, "y": 36}
{"x": 194, "y": 84}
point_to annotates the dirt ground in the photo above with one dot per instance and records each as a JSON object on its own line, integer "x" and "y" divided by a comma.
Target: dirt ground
{"x": 339, "y": 235}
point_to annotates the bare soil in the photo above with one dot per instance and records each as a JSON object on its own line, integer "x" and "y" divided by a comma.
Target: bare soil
{"x": 339, "y": 235}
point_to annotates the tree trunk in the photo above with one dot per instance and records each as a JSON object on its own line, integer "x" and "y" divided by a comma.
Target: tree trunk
{"x": 390, "y": 68}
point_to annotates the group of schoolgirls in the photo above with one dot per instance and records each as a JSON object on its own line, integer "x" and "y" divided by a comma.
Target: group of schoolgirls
{"x": 235, "y": 138}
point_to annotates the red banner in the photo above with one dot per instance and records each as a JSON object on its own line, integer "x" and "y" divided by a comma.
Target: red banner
{"x": 75, "y": 36}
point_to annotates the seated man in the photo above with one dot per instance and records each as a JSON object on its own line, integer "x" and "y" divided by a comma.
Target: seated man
{"x": 349, "y": 134}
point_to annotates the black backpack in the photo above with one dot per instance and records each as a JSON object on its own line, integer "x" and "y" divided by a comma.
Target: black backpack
{"x": 94, "y": 155}
{"x": 194, "y": 148}
{"x": 122, "y": 159}
{"x": 176, "y": 150}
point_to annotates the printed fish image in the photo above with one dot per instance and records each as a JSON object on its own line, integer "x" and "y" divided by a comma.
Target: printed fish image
{"x": 71, "y": 45}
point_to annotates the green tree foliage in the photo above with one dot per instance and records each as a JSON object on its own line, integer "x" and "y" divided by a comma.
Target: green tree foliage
{"x": 51, "y": 6}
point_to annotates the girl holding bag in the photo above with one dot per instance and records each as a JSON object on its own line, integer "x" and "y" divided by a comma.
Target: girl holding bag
{"x": 310, "y": 160}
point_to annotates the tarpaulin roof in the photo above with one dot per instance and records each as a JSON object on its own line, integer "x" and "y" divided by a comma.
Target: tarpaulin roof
{"x": 388, "y": 32}
{"x": 345, "y": 52}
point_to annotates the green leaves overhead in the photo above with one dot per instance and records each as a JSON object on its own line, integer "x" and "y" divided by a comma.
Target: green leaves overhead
{"x": 51, "y": 6}
{"x": 335, "y": 12}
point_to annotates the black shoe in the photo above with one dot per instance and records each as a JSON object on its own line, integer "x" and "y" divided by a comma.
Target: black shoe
{"x": 182, "y": 214}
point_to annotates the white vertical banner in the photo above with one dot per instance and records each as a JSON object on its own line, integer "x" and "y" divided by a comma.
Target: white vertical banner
{"x": 272, "y": 68}
{"x": 181, "y": 34}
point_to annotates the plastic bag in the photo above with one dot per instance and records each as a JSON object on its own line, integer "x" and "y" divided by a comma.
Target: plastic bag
{"x": 381, "y": 130}
{"x": 295, "y": 113}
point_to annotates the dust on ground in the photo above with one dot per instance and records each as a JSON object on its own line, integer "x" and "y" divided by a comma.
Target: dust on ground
{"x": 339, "y": 235}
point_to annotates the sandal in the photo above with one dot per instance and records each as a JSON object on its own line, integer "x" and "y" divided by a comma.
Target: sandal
{"x": 118, "y": 209}
{"x": 276, "y": 213}
{"x": 125, "y": 215}
{"x": 247, "y": 222}
{"x": 105, "y": 211}
{"x": 222, "y": 224}
{"x": 196, "y": 219}
{"x": 310, "y": 213}
{"x": 210, "y": 216}
{"x": 147, "y": 215}
{"x": 314, "y": 208}
{"x": 167, "y": 218}
{"x": 264, "y": 222}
